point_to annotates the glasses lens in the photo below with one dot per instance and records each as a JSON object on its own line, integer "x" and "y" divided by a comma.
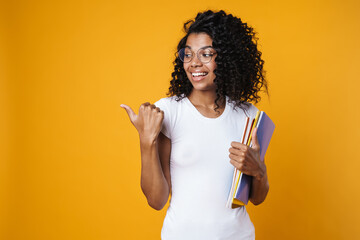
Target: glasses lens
{"x": 185, "y": 55}
{"x": 205, "y": 55}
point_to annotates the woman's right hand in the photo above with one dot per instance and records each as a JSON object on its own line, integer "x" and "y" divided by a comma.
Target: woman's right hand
{"x": 148, "y": 122}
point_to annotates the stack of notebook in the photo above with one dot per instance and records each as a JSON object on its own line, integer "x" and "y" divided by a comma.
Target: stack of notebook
{"x": 241, "y": 183}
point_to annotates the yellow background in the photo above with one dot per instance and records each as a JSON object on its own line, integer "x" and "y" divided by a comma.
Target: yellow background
{"x": 70, "y": 159}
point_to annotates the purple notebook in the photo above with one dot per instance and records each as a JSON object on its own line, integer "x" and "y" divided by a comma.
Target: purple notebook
{"x": 265, "y": 130}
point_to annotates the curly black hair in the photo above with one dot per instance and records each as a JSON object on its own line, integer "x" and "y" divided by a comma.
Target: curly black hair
{"x": 239, "y": 72}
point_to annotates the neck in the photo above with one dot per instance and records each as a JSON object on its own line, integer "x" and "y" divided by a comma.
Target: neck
{"x": 205, "y": 99}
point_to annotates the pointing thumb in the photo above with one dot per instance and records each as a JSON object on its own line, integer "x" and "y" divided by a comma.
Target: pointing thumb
{"x": 129, "y": 111}
{"x": 254, "y": 141}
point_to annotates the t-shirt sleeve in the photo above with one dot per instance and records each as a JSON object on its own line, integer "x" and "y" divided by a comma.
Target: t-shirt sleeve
{"x": 163, "y": 104}
{"x": 253, "y": 110}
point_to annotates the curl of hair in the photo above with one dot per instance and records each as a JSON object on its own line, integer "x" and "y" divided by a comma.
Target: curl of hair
{"x": 239, "y": 72}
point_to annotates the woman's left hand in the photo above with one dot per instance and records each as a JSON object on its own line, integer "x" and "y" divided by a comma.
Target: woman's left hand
{"x": 247, "y": 159}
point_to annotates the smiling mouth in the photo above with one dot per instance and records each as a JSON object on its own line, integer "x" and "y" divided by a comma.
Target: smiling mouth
{"x": 198, "y": 74}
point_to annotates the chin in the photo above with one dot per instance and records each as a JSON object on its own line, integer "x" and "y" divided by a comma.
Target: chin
{"x": 200, "y": 87}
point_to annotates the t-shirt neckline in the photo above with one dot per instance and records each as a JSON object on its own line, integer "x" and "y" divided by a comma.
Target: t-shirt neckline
{"x": 199, "y": 115}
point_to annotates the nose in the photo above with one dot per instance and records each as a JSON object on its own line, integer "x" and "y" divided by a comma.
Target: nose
{"x": 196, "y": 61}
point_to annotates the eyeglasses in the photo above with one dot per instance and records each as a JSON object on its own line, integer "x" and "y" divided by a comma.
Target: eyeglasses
{"x": 204, "y": 54}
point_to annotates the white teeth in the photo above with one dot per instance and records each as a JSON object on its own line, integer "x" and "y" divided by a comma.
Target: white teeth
{"x": 199, "y": 74}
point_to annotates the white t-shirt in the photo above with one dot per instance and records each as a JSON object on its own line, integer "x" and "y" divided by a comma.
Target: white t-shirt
{"x": 201, "y": 172}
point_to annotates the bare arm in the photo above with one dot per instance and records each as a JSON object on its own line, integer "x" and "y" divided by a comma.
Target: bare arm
{"x": 155, "y": 154}
{"x": 260, "y": 187}
{"x": 155, "y": 171}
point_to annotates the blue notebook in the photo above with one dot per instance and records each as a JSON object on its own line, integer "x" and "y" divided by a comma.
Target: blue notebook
{"x": 264, "y": 133}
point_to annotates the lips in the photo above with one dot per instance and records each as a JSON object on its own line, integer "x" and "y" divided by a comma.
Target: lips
{"x": 198, "y": 76}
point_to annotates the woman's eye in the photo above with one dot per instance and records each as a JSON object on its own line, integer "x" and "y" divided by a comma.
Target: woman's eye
{"x": 207, "y": 54}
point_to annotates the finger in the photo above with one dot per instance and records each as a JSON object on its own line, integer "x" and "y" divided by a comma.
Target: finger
{"x": 254, "y": 141}
{"x": 239, "y": 146}
{"x": 237, "y": 165}
{"x": 236, "y": 158}
{"x": 142, "y": 106}
{"x": 235, "y": 151}
{"x": 233, "y": 157}
{"x": 129, "y": 111}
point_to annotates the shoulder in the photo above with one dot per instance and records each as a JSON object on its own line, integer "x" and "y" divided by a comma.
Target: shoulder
{"x": 170, "y": 107}
{"x": 252, "y": 110}
{"x": 246, "y": 108}
{"x": 168, "y": 102}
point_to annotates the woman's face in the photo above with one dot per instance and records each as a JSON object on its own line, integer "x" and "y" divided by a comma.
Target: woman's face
{"x": 201, "y": 75}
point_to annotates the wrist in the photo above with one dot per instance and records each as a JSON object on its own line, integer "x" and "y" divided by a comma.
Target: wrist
{"x": 147, "y": 141}
{"x": 261, "y": 174}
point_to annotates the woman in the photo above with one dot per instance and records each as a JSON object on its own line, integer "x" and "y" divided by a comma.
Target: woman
{"x": 190, "y": 141}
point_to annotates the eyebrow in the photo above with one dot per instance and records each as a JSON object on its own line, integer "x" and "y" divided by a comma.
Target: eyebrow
{"x": 201, "y": 47}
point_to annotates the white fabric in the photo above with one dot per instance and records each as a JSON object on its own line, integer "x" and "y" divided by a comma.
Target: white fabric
{"x": 201, "y": 173}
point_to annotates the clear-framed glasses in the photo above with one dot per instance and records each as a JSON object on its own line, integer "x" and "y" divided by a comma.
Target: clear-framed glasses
{"x": 204, "y": 54}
